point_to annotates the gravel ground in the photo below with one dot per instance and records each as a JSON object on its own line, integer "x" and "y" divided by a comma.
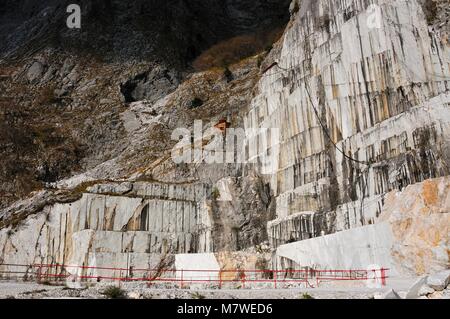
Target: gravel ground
{"x": 21, "y": 290}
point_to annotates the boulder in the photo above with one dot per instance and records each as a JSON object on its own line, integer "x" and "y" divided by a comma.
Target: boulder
{"x": 419, "y": 221}
{"x": 413, "y": 292}
{"x": 402, "y": 294}
{"x": 135, "y": 295}
{"x": 425, "y": 290}
{"x": 436, "y": 295}
{"x": 35, "y": 71}
{"x": 390, "y": 294}
{"x": 439, "y": 281}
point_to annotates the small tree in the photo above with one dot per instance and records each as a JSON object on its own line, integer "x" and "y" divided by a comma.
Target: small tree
{"x": 215, "y": 193}
{"x": 114, "y": 292}
{"x": 197, "y": 295}
{"x": 228, "y": 74}
{"x": 196, "y": 102}
{"x": 296, "y": 7}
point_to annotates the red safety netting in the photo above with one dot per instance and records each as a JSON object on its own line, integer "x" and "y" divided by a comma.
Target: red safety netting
{"x": 185, "y": 277}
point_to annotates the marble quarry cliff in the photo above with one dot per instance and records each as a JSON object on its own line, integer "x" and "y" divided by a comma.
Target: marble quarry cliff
{"x": 358, "y": 91}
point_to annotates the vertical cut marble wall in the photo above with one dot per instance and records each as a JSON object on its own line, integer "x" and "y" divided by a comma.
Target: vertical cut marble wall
{"x": 381, "y": 94}
{"x": 107, "y": 229}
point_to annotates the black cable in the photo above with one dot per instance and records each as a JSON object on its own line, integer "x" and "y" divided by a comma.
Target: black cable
{"x": 325, "y": 130}
{"x": 320, "y": 121}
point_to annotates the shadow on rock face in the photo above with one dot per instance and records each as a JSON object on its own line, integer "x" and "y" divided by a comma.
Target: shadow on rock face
{"x": 173, "y": 32}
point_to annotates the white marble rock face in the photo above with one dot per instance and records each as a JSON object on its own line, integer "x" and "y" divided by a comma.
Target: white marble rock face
{"x": 109, "y": 230}
{"x": 381, "y": 94}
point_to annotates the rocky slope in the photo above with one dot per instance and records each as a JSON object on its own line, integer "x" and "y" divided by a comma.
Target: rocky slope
{"x": 64, "y": 92}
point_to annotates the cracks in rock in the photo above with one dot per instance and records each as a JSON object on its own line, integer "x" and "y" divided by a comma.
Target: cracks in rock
{"x": 37, "y": 242}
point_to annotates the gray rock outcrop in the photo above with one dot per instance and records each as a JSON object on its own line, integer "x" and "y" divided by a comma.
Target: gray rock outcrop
{"x": 439, "y": 281}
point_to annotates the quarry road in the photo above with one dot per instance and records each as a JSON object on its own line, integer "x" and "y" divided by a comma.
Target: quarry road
{"x": 21, "y": 290}
{"x": 8, "y": 289}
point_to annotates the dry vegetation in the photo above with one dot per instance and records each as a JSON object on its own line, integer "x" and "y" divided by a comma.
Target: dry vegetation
{"x": 235, "y": 49}
{"x": 45, "y": 137}
{"x": 114, "y": 292}
{"x": 430, "y": 9}
{"x": 33, "y": 150}
{"x": 46, "y": 96}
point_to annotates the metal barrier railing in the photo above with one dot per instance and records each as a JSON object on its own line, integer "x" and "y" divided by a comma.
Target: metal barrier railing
{"x": 184, "y": 277}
